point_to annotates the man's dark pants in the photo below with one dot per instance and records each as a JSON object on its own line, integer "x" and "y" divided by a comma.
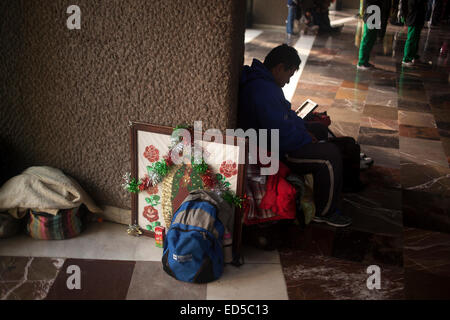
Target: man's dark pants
{"x": 328, "y": 162}
{"x": 324, "y": 161}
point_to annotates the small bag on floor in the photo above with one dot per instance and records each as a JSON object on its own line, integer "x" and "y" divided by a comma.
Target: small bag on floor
{"x": 193, "y": 245}
{"x": 66, "y": 224}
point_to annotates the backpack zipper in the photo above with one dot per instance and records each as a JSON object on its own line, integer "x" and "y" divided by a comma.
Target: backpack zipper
{"x": 204, "y": 234}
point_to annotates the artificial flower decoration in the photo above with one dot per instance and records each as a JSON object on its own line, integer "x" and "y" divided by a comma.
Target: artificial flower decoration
{"x": 151, "y": 153}
{"x": 152, "y": 189}
{"x": 151, "y": 214}
{"x": 228, "y": 168}
{"x": 160, "y": 168}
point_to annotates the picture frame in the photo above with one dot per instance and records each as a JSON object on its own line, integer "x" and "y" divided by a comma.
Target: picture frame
{"x": 150, "y": 142}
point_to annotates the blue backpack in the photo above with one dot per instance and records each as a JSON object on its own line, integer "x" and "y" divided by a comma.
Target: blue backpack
{"x": 193, "y": 244}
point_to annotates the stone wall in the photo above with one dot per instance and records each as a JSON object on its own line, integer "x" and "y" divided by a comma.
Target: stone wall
{"x": 67, "y": 96}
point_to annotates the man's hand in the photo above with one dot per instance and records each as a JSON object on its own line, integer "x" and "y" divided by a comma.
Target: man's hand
{"x": 314, "y": 139}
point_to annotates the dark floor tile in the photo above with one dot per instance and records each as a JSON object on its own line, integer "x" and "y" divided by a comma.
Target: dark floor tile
{"x": 27, "y": 278}
{"x": 314, "y": 238}
{"x": 415, "y": 106}
{"x": 383, "y": 83}
{"x": 446, "y": 145}
{"x": 422, "y": 152}
{"x": 443, "y": 125}
{"x": 370, "y": 217}
{"x": 351, "y": 245}
{"x": 426, "y": 211}
{"x": 100, "y": 279}
{"x": 440, "y": 99}
{"x": 385, "y": 250}
{"x": 418, "y": 132}
{"x": 427, "y": 251}
{"x": 426, "y": 178}
{"x": 413, "y": 95}
{"x": 381, "y": 177}
{"x": 383, "y": 157}
{"x": 376, "y": 196}
{"x": 378, "y": 137}
{"x": 312, "y": 277}
{"x": 416, "y": 119}
{"x": 420, "y": 285}
{"x": 444, "y": 133}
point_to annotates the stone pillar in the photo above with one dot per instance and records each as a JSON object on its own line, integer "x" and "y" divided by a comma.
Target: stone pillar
{"x": 67, "y": 95}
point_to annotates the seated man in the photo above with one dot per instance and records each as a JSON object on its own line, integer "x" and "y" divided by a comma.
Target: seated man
{"x": 262, "y": 105}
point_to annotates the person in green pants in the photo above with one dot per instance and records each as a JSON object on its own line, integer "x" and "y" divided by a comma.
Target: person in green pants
{"x": 369, "y": 37}
{"x": 414, "y": 20}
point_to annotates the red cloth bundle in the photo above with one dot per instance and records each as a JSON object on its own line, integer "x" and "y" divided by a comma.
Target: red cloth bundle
{"x": 280, "y": 194}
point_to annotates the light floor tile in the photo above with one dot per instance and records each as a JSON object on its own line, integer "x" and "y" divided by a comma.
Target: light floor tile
{"x": 108, "y": 241}
{"x": 254, "y": 255}
{"x": 151, "y": 282}
{"x": 303, "y": 47}
{"x": 251, "y": 34}
{"x": 249, "y": 282}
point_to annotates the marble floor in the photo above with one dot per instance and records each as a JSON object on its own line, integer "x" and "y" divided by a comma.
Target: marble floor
{"x": 401, "y": 221}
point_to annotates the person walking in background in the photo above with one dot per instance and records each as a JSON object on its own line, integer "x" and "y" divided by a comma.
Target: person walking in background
{"x": 369, "y": 38}
{"x": 385, "y": 14}
{"x": 292, "y": 15}
{"x": 414, "y": 20}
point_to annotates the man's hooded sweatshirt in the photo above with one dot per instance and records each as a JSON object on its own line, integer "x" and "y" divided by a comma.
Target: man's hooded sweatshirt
{"x": 262, "y": 105}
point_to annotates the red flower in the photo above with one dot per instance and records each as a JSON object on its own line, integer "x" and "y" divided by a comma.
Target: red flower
{"x": 145, "y": 182}
{"x": 151, "y": 214}
{"x": 151, "y": 153}
{"x": 152, "y": 190}
{"x": 168, "y": 159}
{"x": 228, "y": 168}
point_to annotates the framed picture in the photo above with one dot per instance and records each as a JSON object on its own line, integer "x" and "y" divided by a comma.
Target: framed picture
{"x": 225, "y": 156}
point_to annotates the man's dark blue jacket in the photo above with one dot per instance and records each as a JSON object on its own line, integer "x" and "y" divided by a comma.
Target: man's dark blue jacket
{"x": 262, "y": 105}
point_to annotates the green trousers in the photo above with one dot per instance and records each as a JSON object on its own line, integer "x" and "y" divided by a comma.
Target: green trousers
{"x": 367, "y": 42}
{"x": 412, "y": 43}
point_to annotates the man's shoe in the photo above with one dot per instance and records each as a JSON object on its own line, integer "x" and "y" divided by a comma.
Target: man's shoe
{"x": 335, "y": 219}
{"x": 367, "y": 66}
{"x": 365, "y": 162}
{"x": 408, "y": 63}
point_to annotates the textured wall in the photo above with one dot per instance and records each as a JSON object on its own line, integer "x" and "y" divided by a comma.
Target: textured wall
{"x": 67, "y": 95}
